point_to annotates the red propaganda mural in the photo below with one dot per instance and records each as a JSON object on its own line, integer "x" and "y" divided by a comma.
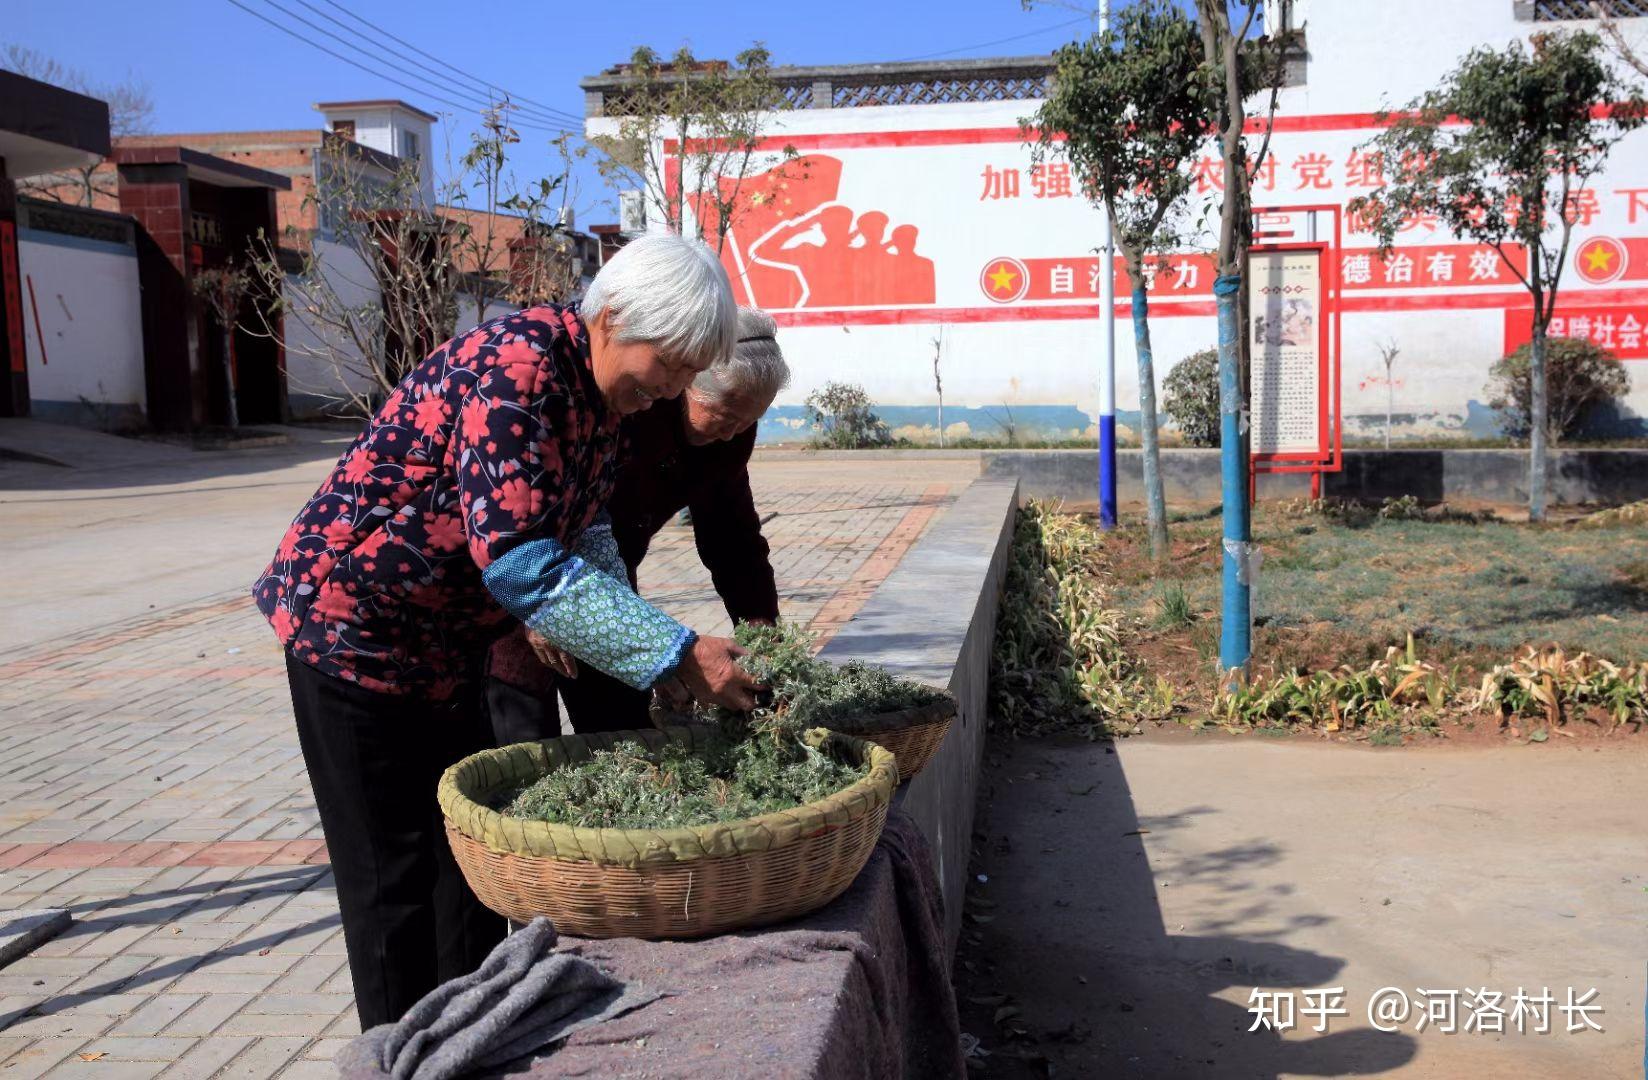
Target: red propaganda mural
{"x": 794, "y": 244}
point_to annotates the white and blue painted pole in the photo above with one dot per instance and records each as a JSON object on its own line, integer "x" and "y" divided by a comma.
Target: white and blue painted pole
{"x": 1107, "y": 362}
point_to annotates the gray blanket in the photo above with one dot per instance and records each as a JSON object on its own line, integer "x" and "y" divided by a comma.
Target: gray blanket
{"x": 521, "y": 999}
{"x": 858, "y": 990}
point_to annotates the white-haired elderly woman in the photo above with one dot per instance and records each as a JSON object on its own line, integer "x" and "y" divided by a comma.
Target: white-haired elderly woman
{"x": 472, "y": 502}
{"x": 691, "y": 453}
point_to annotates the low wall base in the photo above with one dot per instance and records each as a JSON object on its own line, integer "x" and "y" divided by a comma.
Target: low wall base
{"x": 934, "y": 620}
{"x": 1192, "y": 476}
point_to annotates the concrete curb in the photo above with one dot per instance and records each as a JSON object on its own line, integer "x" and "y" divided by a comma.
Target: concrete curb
{"x": 934, "y": 620}
{"x": 21, "y": 932}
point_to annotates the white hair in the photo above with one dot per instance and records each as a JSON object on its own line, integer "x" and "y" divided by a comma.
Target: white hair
{"x": 670, "y": 293}
{"x": 756, "y": 367}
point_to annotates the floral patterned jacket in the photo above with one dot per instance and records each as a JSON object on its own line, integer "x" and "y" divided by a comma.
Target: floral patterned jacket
{"x": 475, "y": 494}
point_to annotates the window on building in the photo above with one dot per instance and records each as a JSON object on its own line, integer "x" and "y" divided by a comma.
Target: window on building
{"x": 409, "y": 145}
{"x": 1568, "y": 10}
{"x": 344, "y": 129}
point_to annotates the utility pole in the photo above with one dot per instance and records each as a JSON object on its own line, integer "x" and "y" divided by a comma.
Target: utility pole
{"x": 1107, "y": 363}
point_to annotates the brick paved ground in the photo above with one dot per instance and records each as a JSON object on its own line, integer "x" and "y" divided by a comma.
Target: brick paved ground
{"x": 150, "y": 782}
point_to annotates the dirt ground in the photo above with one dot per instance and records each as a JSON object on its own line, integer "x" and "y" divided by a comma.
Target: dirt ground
{"x": 1130, "y": 897}
{"x": 1342, "y": 590}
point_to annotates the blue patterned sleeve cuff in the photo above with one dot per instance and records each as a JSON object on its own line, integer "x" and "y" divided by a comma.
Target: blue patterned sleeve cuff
{"x": 598, "y": 547}
{"x": 590, "y": 614}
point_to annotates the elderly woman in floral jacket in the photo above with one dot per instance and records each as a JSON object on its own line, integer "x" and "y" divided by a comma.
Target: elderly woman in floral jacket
{"x": 473, "y": 501}
{"x": 690, "y": 453}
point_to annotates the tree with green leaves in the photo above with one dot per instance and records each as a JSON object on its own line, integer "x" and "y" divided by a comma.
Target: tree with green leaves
{"x": 690, "y": 132}
{"x": 1129, "y": 110}
{"x": 1499, "y": 153}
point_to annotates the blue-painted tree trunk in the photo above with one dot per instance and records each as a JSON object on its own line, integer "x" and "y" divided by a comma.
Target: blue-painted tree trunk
{"x": 1156, "y": 505}
{"x": 1236, "y": 628}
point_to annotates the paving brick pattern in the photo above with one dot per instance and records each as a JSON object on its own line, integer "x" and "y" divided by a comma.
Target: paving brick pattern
{"x": 150, "y": 783}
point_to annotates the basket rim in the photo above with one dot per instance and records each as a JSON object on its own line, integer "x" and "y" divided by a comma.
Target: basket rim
{"x": 943, "y": 710}
{"x": 637, "y": 847}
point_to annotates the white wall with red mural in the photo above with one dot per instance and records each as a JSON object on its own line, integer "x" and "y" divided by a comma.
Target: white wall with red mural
{"x": 900, "y": 225}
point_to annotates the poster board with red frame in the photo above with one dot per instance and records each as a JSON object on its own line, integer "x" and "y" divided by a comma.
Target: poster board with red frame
{"x": 1310, "y": 438}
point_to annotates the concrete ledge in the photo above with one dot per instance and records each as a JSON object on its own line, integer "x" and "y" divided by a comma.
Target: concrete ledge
{"x": 1577, "y": 476}
{"x": 934, "y": 620}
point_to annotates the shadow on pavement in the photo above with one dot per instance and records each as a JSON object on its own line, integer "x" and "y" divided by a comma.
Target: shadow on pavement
{"x": 95, "y": 461}
{"x": 1069, "y": 928}
{"x": 193, "y": 902}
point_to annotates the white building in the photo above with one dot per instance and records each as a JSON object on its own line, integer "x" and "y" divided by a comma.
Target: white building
{"x": 389, "y": 126}
{"x": 917, "y": 191}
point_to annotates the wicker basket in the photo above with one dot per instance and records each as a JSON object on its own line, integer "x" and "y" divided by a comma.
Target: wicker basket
{"x": 913, "y": 735}
{"x": 664, "y": 883}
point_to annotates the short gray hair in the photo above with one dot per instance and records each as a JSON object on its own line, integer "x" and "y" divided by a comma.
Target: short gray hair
{"x": 756, "y": 367}
{"x": 669, "y": 292}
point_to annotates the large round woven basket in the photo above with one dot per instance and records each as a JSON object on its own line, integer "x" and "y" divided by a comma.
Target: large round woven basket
{"x": 658, "y": 883}
{"x": 913, "y": 735}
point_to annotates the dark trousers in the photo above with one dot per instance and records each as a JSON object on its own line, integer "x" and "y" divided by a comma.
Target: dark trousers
{"x": 410, "y": 921}
{"x": 594, "y": 702}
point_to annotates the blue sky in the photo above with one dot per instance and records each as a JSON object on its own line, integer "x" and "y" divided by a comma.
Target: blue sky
{"x": 213, "y": 67}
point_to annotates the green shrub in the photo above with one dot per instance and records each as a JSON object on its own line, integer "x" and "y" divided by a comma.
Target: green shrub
{"x": 1579, "y": 375}
{"x": 842, "y": 418}
{"x": 1191, "y": 397}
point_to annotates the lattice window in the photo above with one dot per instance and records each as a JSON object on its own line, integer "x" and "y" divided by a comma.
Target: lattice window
{"x": 944, "y": 90}
{"x": 1567, "y": 10}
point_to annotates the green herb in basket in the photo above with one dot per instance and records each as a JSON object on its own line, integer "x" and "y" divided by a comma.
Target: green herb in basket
{"x": 753, "y": 763}
{"x": 628, "y": 787}
{"x": 807, "y": 692}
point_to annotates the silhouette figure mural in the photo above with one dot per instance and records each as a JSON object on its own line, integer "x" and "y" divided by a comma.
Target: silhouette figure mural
{"x": 794, "y": 244}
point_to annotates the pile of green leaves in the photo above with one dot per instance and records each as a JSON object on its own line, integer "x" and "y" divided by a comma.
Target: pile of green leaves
{"x": 1059, "y": 662}
{"x": 748, "y": 764}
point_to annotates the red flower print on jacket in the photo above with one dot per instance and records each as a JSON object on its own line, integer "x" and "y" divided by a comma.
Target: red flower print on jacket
{"x": 445, "y": 532}
{"x": 519, "y": 499}
{"x": 430, "y": 415}
{"x": 357, "y": 466}
{"x": 498, "y": 437}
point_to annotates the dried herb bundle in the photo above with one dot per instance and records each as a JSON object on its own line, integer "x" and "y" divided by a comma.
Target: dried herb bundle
{"x": 754, "y": 763}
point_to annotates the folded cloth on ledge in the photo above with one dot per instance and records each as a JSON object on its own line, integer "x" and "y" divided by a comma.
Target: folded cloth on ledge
{"x": 858, "y": 990}
{"x": 522, "y": 998}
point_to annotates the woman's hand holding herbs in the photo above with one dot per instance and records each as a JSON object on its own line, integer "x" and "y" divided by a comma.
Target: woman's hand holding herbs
{"x": 710, "y": 672}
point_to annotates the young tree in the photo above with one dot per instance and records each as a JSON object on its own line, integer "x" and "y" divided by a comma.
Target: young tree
{"x": 938, "y": 381}
{"x": 224, "y": 290}
{"x": 690, "y": 133}
{"x": 1236, "y": 66}
{"x": 383, "y": 279}
{"x": 1388, "y": 352}
{"x": 1129, "y": 110}
{"x": 131, "y": 112}
{"x": 1499, "y": 153}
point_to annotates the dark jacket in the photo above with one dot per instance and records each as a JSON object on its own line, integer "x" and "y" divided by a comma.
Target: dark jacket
{"x": 661, "y": 474}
